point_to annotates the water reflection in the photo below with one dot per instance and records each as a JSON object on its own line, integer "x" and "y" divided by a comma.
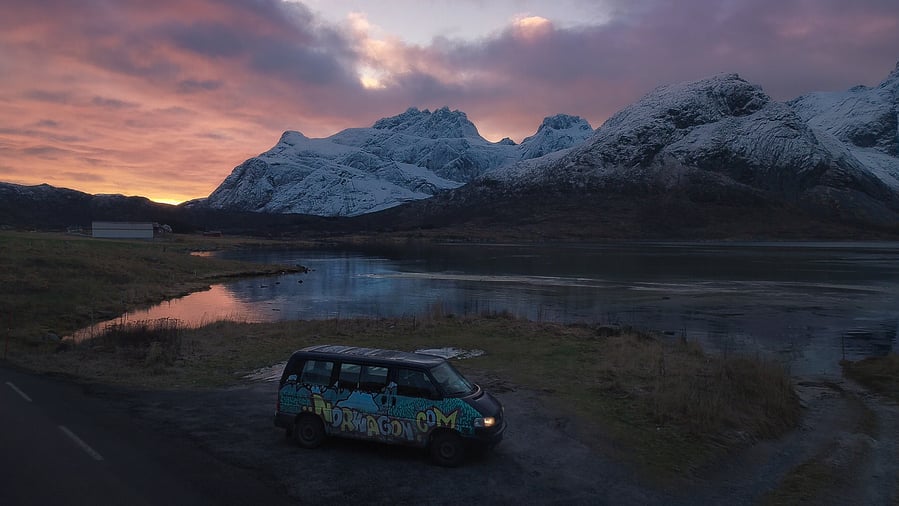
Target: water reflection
{"x": 197, "y": 309}
{"x": 808, "y": 303}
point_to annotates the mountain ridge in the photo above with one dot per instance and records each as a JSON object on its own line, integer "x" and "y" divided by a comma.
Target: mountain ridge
{"x": 403, "y": 158}
{"x": 711, "y": 158}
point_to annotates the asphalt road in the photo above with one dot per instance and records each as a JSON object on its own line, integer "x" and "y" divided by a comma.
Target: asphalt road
{"x": 61, "y": 445}
{"x": 68, "y": 443}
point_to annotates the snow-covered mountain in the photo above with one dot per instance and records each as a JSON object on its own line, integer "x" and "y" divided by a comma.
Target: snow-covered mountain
{"x": 716, "y": 141}
{"x": 723, "y": 139}
{"x": 865, "y": 120}
{"x": 407, "y": 157}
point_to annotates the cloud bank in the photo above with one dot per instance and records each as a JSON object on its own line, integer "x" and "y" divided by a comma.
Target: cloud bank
{"x": 164, "y": 98}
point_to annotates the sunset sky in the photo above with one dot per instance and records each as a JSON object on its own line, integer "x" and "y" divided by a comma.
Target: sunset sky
{"x": 163, "y": 98}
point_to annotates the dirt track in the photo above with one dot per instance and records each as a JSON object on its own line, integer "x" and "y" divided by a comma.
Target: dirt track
{"x": 539, "y": 462}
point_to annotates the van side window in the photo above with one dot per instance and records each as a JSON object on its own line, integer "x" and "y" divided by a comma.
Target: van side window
{"x": 412, "y": 383}
{"x": 293, "y": 369}
{"x": 317, "y": 372}
{"x": 349, "y": 376}
{"x": 373, "y": 379}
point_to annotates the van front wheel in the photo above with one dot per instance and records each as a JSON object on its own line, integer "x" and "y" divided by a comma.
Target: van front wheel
{"x": 447, "y": 449}
{"x": 308, "y": 431}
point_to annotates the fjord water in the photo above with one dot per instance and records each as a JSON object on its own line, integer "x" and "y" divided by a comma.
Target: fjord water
{"x": 810, "y": 304}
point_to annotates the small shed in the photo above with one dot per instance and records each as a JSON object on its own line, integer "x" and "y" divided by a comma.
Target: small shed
{"x": 122, "y": 229}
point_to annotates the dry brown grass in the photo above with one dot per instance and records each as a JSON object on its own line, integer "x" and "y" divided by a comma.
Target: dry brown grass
{"x": 58, "y": 283}
{"x": 880, "y": 374}
{"x": 665, "y": 406}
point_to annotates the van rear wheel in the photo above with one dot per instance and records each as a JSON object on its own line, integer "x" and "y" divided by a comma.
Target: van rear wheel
{"x": 447, "y": 449}
{"x": 308, "y": 431}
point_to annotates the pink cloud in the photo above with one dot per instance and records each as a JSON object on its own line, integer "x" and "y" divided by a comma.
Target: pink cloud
{"x": 164, "y": 98}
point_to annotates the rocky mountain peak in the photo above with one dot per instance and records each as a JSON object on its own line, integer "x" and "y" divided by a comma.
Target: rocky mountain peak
{"x": 442, "y": 123}
{"x": 564, "y": 122}
{"x": 891, "y": 83}
{"x": 556, "y": 133}
{"x": 635, "y": 135}
{"x": 699, "y": 102}
{"x": 291, "y": 138}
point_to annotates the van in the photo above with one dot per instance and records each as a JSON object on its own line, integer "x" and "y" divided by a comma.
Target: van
{"x": 388, "y": 396}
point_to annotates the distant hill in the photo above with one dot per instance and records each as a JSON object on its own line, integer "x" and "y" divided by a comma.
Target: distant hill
{"x": 44, "y": 207}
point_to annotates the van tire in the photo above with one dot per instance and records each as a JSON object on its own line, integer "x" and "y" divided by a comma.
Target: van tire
{"x": 308, "y": 431}
{"x": 447, "y": 449}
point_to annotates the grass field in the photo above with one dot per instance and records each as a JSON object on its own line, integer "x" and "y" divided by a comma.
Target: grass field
{"x": 662, "y": 404}
{"x": 55, "y": 283}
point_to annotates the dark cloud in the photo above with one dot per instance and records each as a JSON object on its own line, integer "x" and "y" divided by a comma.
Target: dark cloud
{"x": 39, "y": 133}
{"x": 789, "y": 47}
{"x": 175, "y": 111}
{"x": 53, "y": 97}
{"x": 199, "y": 86}
{"x": 210, "y": 40}
{"x": 46, "y": 152}
{"x": 112, "y": 103}
{"x": 85, "y": 177}
{"x": 273, "y": 38}
{"x": 216, "y": 136}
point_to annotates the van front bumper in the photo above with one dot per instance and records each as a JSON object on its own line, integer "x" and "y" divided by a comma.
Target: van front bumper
{"x": 490, "y": 437}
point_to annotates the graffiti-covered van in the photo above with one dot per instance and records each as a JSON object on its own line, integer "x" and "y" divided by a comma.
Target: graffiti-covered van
{"x": 385, "y": 395}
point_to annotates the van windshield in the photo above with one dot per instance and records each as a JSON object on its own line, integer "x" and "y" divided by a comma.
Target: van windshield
{"x": 451, "y": 382}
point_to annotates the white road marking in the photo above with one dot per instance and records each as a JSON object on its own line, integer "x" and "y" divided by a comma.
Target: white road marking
{"x": 21, "y": 393}
{"x": 84, "y": 446}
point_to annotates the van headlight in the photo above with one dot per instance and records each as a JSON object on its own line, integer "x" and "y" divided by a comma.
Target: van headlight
{"x": 486, "y": 422}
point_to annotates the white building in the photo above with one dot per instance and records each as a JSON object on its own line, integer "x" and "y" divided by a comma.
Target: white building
{"x": 122, "y": 230}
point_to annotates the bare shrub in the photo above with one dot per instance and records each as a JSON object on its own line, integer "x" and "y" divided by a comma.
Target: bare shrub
{"x": 155, "y": 343}
{"x": 752, "y": 396}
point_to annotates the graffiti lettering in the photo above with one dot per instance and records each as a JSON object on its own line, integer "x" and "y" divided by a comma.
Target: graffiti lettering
{"x": 372, "y": 426}
{"x": 352, "y": 421}
{"x": 321, "y": 407}
{"x": 433, "y": 417}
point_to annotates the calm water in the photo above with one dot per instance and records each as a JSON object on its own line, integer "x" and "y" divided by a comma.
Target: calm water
{"x": 808, "y": 303}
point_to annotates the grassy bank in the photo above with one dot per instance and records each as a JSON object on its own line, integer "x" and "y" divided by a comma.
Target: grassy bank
{"x": 664, "y": 406}
{"x": 55, "y": 283}
{"x": 880, "y": 374}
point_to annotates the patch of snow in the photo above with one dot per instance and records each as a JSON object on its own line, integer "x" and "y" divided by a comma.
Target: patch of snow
{"x": 883, "y": 166}
{"x": 450, "y": 352}
{"x": 267, "y": 374}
